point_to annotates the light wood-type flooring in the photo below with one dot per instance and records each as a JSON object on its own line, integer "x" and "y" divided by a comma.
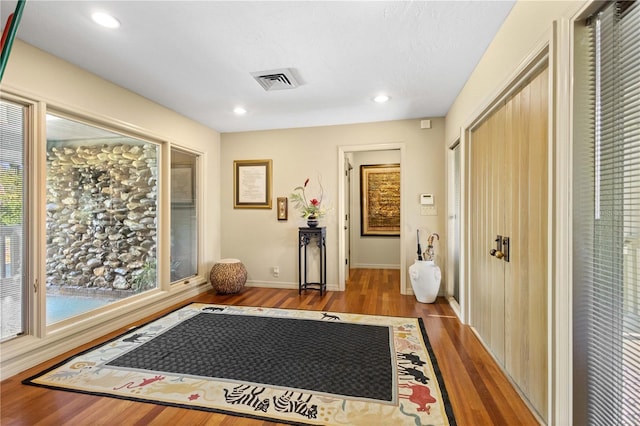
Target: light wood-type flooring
{"x": 479, "y": 392}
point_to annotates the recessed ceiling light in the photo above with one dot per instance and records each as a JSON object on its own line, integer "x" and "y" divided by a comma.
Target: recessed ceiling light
{"x": 105, "y": 20}
{"x": 381, "y": 99}
{"x": 239, "y": 110}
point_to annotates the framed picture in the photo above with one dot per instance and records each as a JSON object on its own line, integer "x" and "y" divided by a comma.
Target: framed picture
{"x": 252, "y": 184}
{"x": 380, "y": 200}
{"x": 283, "y": 208}
{"x": 182, "y": 186}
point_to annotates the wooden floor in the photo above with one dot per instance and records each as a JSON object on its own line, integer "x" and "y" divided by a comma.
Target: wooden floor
{"x": 479, "y": 392}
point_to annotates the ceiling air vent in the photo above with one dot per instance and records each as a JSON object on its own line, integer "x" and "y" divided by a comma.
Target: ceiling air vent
{"x": 281, "y": 79}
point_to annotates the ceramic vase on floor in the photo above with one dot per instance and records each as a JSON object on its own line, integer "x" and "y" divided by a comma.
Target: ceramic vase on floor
{"x": 425, "y": 279}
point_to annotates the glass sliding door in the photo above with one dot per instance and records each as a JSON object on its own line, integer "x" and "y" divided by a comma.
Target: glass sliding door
{"x": 13, "y": 229}
{"x": 184, "y": 215}
{"x": 607, "y": 218}
{"x": 101, "y": 217}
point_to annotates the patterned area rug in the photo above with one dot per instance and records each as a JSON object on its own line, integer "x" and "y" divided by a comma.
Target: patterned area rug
{"x": 290, "y": 366}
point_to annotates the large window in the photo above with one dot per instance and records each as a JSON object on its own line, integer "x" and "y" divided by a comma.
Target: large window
{"x": 101, "y": 217}
{"x": 607, "y": 218}
{"x": 13, "y": 186}
{"x": 96, "y": 193}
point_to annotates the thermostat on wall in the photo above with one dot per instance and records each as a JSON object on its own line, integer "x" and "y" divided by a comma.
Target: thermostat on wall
{"x": 426, "y": 199}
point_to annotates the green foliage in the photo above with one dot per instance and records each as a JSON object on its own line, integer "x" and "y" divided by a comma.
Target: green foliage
{"x": 11, "y": 186}
{"x": 145, "y": 279}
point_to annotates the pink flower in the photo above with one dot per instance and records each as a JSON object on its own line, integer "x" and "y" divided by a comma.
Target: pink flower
{"x": 314, "y": 202}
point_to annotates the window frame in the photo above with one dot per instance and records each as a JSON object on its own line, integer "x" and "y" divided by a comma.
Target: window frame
{"x": 161, "y": 270}
{"x": 198, "y": 197}
{"x": 30, "y": 205}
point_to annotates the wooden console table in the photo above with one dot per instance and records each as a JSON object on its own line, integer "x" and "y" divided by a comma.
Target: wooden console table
{"x": 305, "y": 236}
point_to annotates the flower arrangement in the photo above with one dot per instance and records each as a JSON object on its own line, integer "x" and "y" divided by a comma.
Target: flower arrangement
{"x": 308, "y": 207}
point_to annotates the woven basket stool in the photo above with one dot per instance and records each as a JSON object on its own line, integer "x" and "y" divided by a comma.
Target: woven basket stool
{"x": 228, "y": 276}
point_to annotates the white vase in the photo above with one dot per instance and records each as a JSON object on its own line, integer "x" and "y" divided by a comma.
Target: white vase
{"x": 425, "y": 279}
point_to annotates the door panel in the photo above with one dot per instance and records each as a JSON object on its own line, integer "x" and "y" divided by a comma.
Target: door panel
{"x": 496, "y": 208}
{"x": 537, "y": 231}
{"x": 486, "y": 214}
{"x": 509, "y": 198}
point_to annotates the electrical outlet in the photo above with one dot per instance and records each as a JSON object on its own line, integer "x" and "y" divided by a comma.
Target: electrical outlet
{"x": 276, "y": 271}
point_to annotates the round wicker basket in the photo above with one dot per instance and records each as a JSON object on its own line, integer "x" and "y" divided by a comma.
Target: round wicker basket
{"x": 228, "y": 276}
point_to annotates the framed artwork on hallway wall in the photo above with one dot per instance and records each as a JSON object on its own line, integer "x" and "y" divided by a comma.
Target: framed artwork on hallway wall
{"x": 380, "y": 200}
{"x": 252, "y": 184}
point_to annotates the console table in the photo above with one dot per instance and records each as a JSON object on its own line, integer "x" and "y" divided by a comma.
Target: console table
{"x": 305, "y": 236}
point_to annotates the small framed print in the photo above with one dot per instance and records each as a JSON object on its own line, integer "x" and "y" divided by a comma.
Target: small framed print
{"x": 283, "y": 208}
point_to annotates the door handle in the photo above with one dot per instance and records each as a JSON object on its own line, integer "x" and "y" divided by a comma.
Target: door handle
{"x": 497, "y": 252}
{"x": 506, "y": 244}
{"x": 502, "y": 248}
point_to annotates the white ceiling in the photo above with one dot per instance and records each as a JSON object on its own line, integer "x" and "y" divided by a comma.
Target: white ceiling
{"x": 195, "y": 57}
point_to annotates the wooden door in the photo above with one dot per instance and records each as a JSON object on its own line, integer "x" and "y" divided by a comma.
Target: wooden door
{"x": 527, "y": 226}
{"x": 487, "y": 274}
{"x": 509, "y": 198}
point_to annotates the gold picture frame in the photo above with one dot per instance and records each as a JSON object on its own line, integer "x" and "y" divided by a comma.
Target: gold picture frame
{"x": 380, "y": 200}
{"x": 283, "y": 208}
{"x": 252, "y": 184}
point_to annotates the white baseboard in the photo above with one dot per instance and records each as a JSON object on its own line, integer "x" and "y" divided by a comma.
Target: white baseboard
{"x": 374, "y": 266}
{"x": 284, "y": 285}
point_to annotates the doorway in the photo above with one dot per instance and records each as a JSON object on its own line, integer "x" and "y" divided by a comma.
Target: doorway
{"x": 349, "y": 193}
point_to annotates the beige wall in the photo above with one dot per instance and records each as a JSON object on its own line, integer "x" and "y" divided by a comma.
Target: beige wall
{"x": 37, "y": 76}
{"x": 261, "y": 241}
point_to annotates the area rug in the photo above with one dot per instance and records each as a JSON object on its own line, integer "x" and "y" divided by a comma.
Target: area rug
{"x": 289, "y": 366}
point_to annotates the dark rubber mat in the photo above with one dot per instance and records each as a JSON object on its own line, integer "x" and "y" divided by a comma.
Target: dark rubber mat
{"x": 318, "y": 356}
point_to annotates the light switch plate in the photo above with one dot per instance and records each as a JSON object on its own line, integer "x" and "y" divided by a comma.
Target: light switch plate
{"x": 428, "y": 211}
